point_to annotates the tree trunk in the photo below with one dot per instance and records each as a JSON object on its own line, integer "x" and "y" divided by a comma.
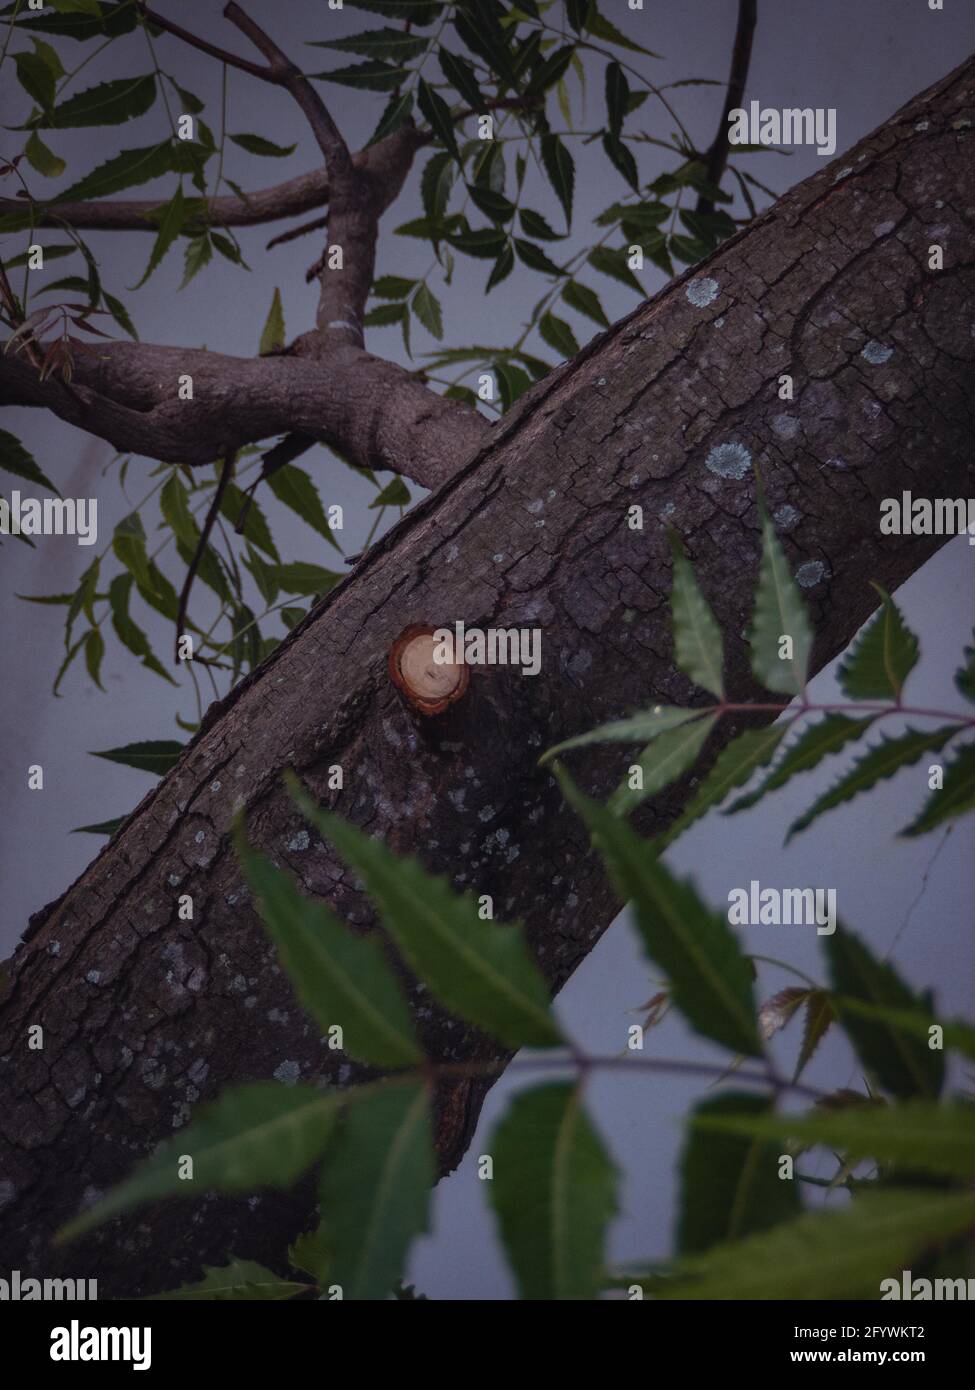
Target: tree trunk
{"x": 145, "y": 1016}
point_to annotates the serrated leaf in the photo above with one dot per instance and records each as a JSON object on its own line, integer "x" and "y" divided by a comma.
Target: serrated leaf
{"x": 257, "y": 144}
{"x": 904, "y": 1066}
{"x": 15, "y": 459}
{"x": 779, "y": 612}
{"x": 553, "y": 1193}
{"x": 154, "y": 755}
{"x": 437, "y": 112}
{"x": 584, "y": 301}
{"x": 881, "y": 762}
{"x": 819, "y": 1015}
{"x": 273, "y": 332}
{"x": 664, "y": 760}
{"x": 397, "y": 112}
{"x": 392, "y": 287}
{"x": 710, "y": 978}
{"x": 637, "y": 729}
{"x": 494, "y": 205}
{"x": 426, "y": 306}
{"x": 827, "y": 1254}
{"x": 256, "y": 529}
{"x": 601, "y": 28}
{"x": 373, "y": 76}
{"x": 300, "y": 577}
{"x": 557, "y": 333}
{"x": 125, "y": 170}
{"x": 170, "y": 227}
{"x": 536, "y": 259}
{"x": 375, "y": 1188}
{"x": 436, "y": 183}
{"x": 883, "y": 656}
{"x": 482, "y": 971}
{"x": 533, "y": 224}
{"x": 340, "y": 977}
{"x": 730, "y": 1185}
{"x": 394, "y": 494}
{"x": 94, "y": 652}
{"x": 953, "y": 799}
{"x": 199, "y": 252}
{"x": 261, "y": 1134}
{"x": 293, "y": 487}
{"x": 462, "y": 78}
{"x": 957, "y": 1035}
{"x": 697, "y": 636}
{"x": 241, "y": 1279}
{"x": 828, "y": 735}
{"x": 512, "y": 382}
{"x": 612, "y": 262}
{"x": 109, "y": 103}
{"x": 560, "y": 168}
{"x": 917, "y": 1135}
{"x": 732, "y": 768}
{"x": 377, "y": 43}
{"x": 128, "y": 631}
{"x": 43, "y": 159}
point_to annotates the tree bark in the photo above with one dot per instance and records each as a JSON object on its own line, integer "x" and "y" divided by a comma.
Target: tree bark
{"x": 145, "y": 1016}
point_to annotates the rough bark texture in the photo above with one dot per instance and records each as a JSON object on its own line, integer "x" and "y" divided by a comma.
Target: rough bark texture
{"x": 145, "y": 1016}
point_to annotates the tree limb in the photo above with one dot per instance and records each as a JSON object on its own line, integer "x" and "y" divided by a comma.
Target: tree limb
{"x": 373, "y": 412}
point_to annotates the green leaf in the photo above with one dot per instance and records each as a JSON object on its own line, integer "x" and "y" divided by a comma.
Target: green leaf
{"x": 394, "y": 494}
{"x": 965, "y": 675}
{"x": 128, "y": 631}
{"x": 170, "y": 227}
{"x": 480, "y": 970}
{"x": 436, "y": 183}
{"x": 396, "y": 114}
{"x": 662, "y": 762}
{"x": 584, "y": 301}
{"x": 779, "y": 612}
{"x": 373, "y": 76}
{"x": 37, "y": 75}
{"x": 494, "y": 205}
{"x": 256, "y": 528}
{"x": 241, "y": 1279}
{"x": 120, "y": 314}
{"x": 617, "y": 97}
{"x": 199, "y": 253}
{"x": 820, "y": 1014}
{"x": 636, "y": 729}
{"x": 955, "y": 797}
{"x": 273, "y": 332}
{"x": 957, "y": 1035}
{"x": 536, "y": 259}
{"x": 602, "y": 28}
{"x": 485, "y": 242}
{"x": 44, "y": 160}
{"x": 15, "y": 459}
{"x": 710, "y": 978}
{"x": 378, "y": 43}
{"x": 917, "y": 1135}
{"x": 156, "y": 755}
{"x": 261, "y": 1134}
{"x": 110, "y": 103}
{"x": 383, "y": 315}
{"x": 293, "y": 487}
{"x": 533, "y": 224}
{"x": 828, "y": 735}
{"x": 827, "y": 1255}
{"x": 94, "y": 652}
{"x": 613, "y": 262}
{"x": 512, "y": 382}
{"x": 881, "y": 762}
{"x": 730, "y": 1185}
{"x": 129, "y": 545}
{"x": 883, "y": 656}
{"x": 126, "y": 169}
{"x": 733, "y": 766}
{"x": 257, "y": 144}
{"x": 299, "y": 577}
{"x": 553, "y": 1193}
{"x": 557, "y": 333}
{"x": 375, "y": 1188}
{"x": 340, "y": 977}
{"x": 392, "y": 287}
{"x": 904, "y": 1066}
{"x": 461, "y": 77}
{"x": 560, "y": 168}
{"x": 107, "y": 827}
{"x": 437, "y": 112}
{"x": 77, "y": 18}
{"x": 697, "y": 637}
{"x": 426, "y": 306}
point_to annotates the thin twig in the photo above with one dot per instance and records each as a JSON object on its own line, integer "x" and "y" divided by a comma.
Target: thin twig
{"x": 201, "y": 545}
{"x": 717, "y": 156}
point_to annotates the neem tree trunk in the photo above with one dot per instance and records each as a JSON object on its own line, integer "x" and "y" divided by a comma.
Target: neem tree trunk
{"x": 145, "y": 1015}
